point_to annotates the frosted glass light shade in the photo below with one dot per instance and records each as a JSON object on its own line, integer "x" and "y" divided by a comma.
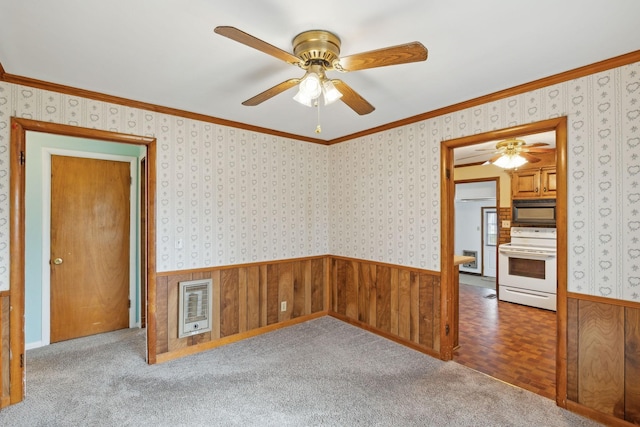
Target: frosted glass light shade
{"x": 510, "y": 161}
{"x": 331, "y": 94}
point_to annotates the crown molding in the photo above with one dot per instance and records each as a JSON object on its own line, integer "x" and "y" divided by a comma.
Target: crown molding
{"x": 576, "y": 73}
{"x": 97, "y": 96}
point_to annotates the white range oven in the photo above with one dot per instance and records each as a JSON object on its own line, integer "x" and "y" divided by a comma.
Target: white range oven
{"x": 527, "y": 267}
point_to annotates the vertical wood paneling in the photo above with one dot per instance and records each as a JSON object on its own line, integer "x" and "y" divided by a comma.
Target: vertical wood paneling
{"x": 383, "y": 298}
{"x": 368, "y": 292}
{"x": 298, "y": 296}
{"x": 351, "y": 289}
{"x": 399, "y": 301}
{"x": 425, "y": 291}
{"x": 414, "y": 312}
{"x": 217, "y": 305}
{"x": 572, "y": 349}
{"x": 229, "y": 310}
{"x": 308, "y": 285}
{"x": 264, "y": 295}
{"x": 601, "y": 357}
{"x": 242, "y": 299}
{"x": 317, "y": 285}
{"x": 373, "y": 294}
{"x": 404, "y": 304}
{"x": 435, "y": 280}
{"x": 253, "y": 297}
{"x": 341, "y": 278}
{"x": 285, "y": 290}
{"x": 393, "y": 308}
{"x": 364, "y": 292}
{"x": 632, "y": 365}
{"x": 162, "y": 316}
{"x": 5, "y": 366}
{"x": 175, "y": 343}
{"x": 273, "y": 306}
{"x": 335, "y": 285}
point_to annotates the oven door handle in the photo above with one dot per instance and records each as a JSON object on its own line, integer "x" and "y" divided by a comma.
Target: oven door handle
{"x": 527, "y": 254}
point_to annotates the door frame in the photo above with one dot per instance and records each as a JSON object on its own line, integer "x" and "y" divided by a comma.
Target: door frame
{"x": 47, "y": 153}
{"x": 483, "y": 213}
{"x": 447, "y": 193}
{"x": 496, "y": 181}
{"x": 17, "y": 196}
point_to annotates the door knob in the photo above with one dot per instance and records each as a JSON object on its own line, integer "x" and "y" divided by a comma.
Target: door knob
{"x": 57, "y": 261}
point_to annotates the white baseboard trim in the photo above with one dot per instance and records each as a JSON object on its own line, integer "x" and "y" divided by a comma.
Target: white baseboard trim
{"x": 32, "y": 345}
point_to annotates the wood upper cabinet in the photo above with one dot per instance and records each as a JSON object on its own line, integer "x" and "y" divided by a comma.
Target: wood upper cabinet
{"x": 534, "y": 183}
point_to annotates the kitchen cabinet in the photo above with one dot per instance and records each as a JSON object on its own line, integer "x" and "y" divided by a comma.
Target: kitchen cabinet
{"x": 534, "y": 183}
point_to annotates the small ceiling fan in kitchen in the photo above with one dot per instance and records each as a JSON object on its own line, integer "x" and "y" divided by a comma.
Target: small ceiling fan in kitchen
{"x": 513, "y": 153}
{"x": 317, "y": 52}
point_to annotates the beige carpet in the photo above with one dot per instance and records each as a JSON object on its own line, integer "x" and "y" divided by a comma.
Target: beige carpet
{"x": 319, "y": 373}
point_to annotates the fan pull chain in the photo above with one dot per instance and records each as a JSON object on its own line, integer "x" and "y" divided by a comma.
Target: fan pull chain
{"x": 318, "y": 128}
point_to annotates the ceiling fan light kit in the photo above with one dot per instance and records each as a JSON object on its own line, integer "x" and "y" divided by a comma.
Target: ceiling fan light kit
{"x": 513, "y": 153}
{"x": 314, "y": 84}
{"x": 510, "y": 161}
{"x": 316, "y": 52}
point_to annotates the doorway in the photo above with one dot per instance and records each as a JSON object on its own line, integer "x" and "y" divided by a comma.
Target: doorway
{"x": 449, "y": 289}
{"x": 489, "y": 241}
{"x": 20, "y": 127}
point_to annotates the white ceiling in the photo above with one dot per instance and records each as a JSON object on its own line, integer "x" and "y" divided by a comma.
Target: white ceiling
{"x": 165, "y": 52}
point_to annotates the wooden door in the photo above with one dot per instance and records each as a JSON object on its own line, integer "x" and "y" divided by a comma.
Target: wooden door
{"x": 548, "y": 182}
{"x": 89, "y": 262}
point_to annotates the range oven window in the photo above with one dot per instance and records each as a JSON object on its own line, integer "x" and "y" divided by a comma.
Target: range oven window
{"x": 534, "y": 268}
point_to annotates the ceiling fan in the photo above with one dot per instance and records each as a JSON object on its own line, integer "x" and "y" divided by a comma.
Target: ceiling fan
{"x": 512, "y": 153}
{"x": 316, "y": 52}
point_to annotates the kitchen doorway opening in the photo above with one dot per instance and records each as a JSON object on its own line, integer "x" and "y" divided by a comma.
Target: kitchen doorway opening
{"x": 451, "y": 291}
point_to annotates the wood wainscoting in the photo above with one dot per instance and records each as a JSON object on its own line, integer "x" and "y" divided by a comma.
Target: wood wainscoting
{"x": 5, "y": 350}
{"x": 603, "y": 364}
{"x": 400, "y": 303}
{"x": 246, "y": 301}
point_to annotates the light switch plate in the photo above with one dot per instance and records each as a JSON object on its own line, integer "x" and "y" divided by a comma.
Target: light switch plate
{"x": 506, "y": 223}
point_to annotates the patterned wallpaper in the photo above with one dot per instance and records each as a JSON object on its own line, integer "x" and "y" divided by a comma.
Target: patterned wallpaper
{"x": 385, "y": 194}
{"x": 231, "y": 196}
{"x": 235, "y": 196}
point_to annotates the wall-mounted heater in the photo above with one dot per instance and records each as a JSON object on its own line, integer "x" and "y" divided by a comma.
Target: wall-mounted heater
{"x": 195, "y": 307}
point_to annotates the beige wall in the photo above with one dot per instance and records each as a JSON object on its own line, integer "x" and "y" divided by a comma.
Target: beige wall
{"x": 385, "y": 187}
{"x": 487, "y": 171}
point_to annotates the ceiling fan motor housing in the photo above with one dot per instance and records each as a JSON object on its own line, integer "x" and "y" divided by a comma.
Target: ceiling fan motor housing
{"x": 317, "y": 46}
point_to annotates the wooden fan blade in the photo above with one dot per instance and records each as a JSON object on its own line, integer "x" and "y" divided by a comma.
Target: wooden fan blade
{"x": 251, "y": 41}
{"x": 271, "y": 92}
{"x": 538, "y": 150}
{"x": 352, "y": 98}
{"x": 536, "y": 144}
{"x": 472, "y": 156}
{"x": 400, "y": 54}
{"x": 529, "y": 157}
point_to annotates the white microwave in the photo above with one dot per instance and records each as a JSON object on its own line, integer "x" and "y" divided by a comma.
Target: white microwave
{"x": 526, "y": 212}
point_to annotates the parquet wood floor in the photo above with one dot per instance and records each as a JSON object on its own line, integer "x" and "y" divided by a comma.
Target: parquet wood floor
{"x": 510, "y": 342}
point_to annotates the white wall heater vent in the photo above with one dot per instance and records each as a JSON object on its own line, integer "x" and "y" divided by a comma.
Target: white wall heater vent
{"x": 195, "y": 307}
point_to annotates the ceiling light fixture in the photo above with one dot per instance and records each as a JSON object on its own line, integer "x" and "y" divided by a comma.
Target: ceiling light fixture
{"x": 510, "y": 161}
{"x": 314, "y": 84}
{"x": 510, "y": 154}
